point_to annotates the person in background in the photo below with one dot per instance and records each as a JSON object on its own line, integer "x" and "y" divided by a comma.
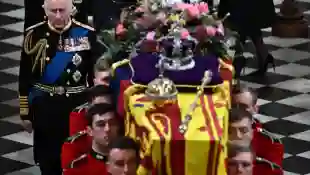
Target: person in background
{"x": 242, "y": 94}
{"x": 102, "y": 72}
{"x": 123, "y": 157}
{"x": 264, "y": 143}
{"x": 103, "y": 127}
{"x": 240, "y": 126}
{"x": 101, "y": 93}
{"x": 243, "y": 161}
{"x": 240, "y": 160}
{"x": 247, "y": 19}
{"x": 77, "y": 119}
{"x": 56, "y": 62}
{"x": 247, "y": 96}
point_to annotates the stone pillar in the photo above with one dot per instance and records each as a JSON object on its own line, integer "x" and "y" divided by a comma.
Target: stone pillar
{"x": 290, "y": 21}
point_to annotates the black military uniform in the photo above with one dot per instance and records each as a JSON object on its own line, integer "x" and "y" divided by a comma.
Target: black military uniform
{"x": 246, "y": 17}
{"x": 54, "y": 70}
{"x": 34, "y": 11}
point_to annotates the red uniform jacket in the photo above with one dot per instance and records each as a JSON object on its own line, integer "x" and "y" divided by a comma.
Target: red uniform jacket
{"x": 77, "y": 120}
{"x": 266, "y": 167}
{"x": 87, "y": 164}
{"x": 75, "y": 146}
{"x": 266, "y": 145}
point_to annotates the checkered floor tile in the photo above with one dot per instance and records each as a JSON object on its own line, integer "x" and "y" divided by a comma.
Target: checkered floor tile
{"x": 284, "y": 95}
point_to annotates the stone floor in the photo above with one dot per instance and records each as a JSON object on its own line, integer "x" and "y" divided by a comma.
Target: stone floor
{"x": 284, "y": 95}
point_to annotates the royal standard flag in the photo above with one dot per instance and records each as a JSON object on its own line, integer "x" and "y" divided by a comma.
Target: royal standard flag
{"x": 167, "y": 151}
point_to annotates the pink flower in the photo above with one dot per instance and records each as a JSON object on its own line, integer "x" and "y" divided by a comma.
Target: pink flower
{"x": 120, "y": 29}
{"x": 203, "y": 7}
{"x": 210, "y": 31}
{"x": 192, "y": 12}
{"x": 139, "y": 9}
{"x": 184, "y": 34}
{"x": 150, "y": 36}
{"x": 200, "y": 33}
{"x": 182, "y": 6}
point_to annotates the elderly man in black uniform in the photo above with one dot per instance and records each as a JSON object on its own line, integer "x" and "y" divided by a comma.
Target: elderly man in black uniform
{"x": 34, "y": 12}
{"x": 56, "y": 65}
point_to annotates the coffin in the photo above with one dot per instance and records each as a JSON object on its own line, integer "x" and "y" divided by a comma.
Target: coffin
{"x": 164, "y": 149}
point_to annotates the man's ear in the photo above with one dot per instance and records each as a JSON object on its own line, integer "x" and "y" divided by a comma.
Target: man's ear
{"x": 89, "y": 131}
{"x": 94, "y": 80}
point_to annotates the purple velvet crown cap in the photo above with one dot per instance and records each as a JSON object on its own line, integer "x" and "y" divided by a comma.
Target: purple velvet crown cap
{"x": 145, "y": 70}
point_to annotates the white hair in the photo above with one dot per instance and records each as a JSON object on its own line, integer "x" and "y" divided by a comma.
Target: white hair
{"x": 69, "y": 4}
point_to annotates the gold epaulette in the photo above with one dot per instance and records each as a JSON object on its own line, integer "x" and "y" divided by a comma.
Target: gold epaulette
{"x": 23, "y": 105}
{"x": 83, "y": 25}
{"x": 81, "y": 107}
{"x": 76, "y": 136}
{"x": 269, "y": 135}
{"x": 35, "y": 26}
{"x": 73, "y": 163}
{"x": 118, "y": 64}
{"x": 272, "y": 165}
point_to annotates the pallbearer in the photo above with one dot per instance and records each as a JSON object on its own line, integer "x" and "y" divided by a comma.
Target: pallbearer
{"x": 243, "y": 161}
{"x": 56, "y": 65}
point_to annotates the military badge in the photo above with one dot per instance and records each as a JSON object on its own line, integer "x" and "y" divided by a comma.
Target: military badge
{"x": 77, "y": 59}
{"x": 83, "y": 43}
{"x": 77, "y": 76}
{"x": 76, "y": 44}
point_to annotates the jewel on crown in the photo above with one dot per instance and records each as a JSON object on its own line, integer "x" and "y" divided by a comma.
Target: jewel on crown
{"x": 177, "y": 49}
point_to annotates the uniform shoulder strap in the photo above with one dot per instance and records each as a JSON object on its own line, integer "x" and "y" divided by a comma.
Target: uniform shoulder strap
{"x": 118, "y": 64}
{"x": 76, "y": 136}
{"x": 35, "y": 26}
{"x": 74, "y": 162}
{"x": 83, "y": 25}
{"x": 269, "y": 135}
{"x": 81, "y": 107}
{"x": 271, "y": 164}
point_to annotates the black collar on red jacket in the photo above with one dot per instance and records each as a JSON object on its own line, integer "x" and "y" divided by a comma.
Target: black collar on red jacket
{"x": 98, "y": 156}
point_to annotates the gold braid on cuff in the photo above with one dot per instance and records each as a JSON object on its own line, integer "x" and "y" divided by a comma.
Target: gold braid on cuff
{"x": 23, "y": 105}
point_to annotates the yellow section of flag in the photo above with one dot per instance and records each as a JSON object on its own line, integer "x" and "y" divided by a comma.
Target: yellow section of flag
{"x": 204, "y": 142}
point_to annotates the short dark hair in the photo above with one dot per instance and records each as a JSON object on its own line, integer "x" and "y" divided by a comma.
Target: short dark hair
{"x": 240, "y": 88}
{"x": 98, "y": 109}
{"x": 234, "y": 150}
{"x": 101, "y": 65}
{"x": 99, "y": 90}
{"x": 126, "y": 143}
{"x": 237, "y": 113}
